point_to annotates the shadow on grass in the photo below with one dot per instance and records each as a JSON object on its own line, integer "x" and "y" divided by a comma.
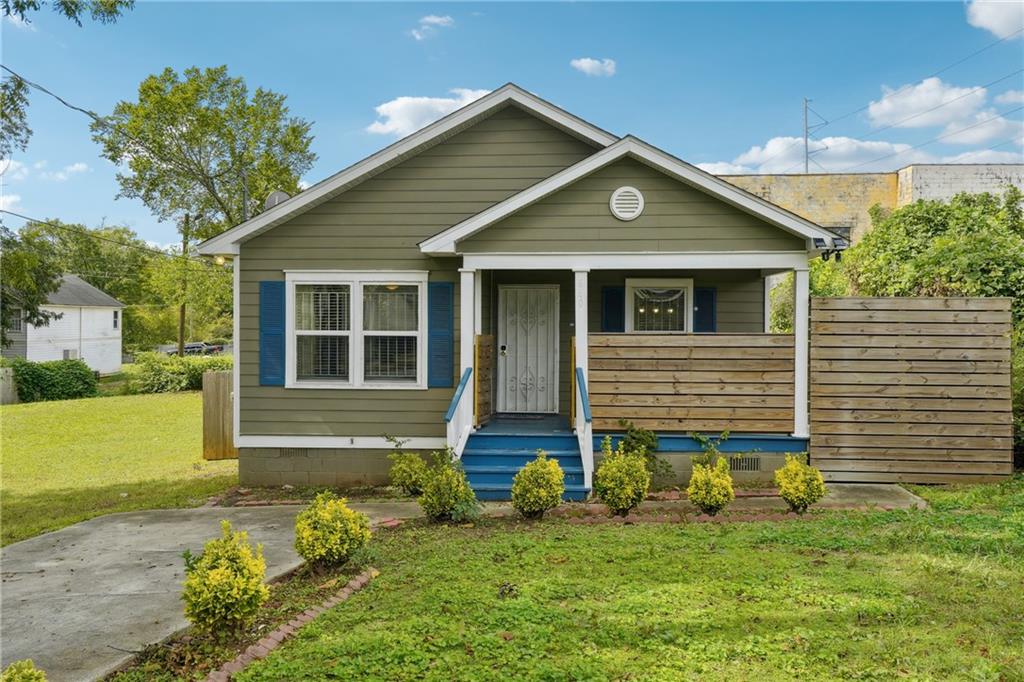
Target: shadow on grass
{"x": 28, "y": 515}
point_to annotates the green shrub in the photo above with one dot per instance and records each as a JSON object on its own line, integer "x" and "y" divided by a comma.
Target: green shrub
{"x": 622, "y": 480}
{"x": 538, "y": 486}
{"x": 711, "y": 486}
{"x": 800, "y": 484}
{"x": 446, "y": 493}
{"x": 224, "y": 587}
{"x": 159, "y": 373}
{"x": 53, "y": 380}
{"x": 22, "y": 671}
{"x": 408, "y": 472}
{"x": 327, "y": 532}
{"x": 640, "y": 440}
{"x": 1017, "y": 382}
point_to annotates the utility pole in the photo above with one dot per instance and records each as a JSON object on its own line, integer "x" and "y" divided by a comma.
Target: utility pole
{"x": 184, "y": 286}
{"x": 807, "y": 155}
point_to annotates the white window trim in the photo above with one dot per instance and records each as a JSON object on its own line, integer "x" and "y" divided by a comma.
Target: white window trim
{"x": 17, "y": 320}
{"x": 356, "y": 280}
{"x": 673, "y": 283}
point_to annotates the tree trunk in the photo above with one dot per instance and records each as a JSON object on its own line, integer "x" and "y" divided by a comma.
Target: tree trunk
{"x": 184, "y": 287}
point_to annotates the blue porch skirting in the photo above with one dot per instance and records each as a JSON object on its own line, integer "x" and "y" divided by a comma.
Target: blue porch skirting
{"x": 737, "y": 442}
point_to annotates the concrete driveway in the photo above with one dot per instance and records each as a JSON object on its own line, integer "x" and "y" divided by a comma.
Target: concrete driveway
{"x": 80, "y": 601}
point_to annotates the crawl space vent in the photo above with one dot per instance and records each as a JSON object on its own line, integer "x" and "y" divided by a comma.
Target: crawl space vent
{"x": 626, "y": 203}
{"x": 745, "y": 463}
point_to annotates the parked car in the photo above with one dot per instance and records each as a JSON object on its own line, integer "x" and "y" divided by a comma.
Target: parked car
{"x": 199, "y": 348}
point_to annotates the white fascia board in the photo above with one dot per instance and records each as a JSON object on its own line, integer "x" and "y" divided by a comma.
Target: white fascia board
{"x": 340, "y": 442}
{"x": 227, "y": 242}
{"x": 693, "y": 260}
{"x": 445, "y": 242}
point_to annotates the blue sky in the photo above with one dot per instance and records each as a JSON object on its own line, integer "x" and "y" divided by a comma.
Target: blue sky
{"x": 719, "y": 85}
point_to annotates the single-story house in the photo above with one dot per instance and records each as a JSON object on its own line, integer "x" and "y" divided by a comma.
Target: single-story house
{"x": 512, "y": 277}
{"x": 88, "y": 328}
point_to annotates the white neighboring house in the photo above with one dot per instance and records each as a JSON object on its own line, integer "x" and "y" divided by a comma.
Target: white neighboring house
{"x": 89, "y": 328}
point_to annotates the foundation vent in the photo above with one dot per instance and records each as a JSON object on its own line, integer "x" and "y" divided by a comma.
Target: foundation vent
{"x": 294, "y": 452}
{"x": 744, "y": 463}
{"x": 626, "y": 203}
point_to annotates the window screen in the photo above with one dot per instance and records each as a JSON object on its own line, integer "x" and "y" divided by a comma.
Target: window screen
{"x": 390, "y": 326}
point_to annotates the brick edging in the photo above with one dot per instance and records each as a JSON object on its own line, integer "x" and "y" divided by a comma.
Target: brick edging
{"x": 276, "y": 637}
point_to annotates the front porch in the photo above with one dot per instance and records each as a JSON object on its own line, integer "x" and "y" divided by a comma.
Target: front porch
{"x": 569, "y": 353}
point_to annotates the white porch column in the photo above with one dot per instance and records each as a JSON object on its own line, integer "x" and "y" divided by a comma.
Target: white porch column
{"x": 478, "y": 302}
{"x": 801, "y": 324}
{"x": 581, "y": 321}
{"x": 467, "y": 317}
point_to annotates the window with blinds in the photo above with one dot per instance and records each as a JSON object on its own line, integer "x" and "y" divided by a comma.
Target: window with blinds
{"x": 662, "y": 306}
{"x": 390, "y": 331}
{"x": 322, "y": 326}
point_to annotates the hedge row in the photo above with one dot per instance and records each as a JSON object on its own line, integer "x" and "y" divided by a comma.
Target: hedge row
{"x": 159, "y": 373}
{"x": 53, "y": 380}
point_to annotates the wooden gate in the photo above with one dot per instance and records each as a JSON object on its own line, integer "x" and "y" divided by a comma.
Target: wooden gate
{"x": 484, "y": 385}
{"x": 218, "y": 424}
{"x": 912, "y": 390}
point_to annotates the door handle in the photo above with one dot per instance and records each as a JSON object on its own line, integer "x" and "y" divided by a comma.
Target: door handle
{"x": 503, "y": 350}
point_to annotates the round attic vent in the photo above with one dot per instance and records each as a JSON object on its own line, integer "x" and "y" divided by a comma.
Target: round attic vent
{"x": 626, "y": 203}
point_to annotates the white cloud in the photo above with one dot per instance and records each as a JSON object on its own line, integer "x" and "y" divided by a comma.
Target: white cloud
{"x": 304, "y": 185}
{"x": 430, "y": 24}
{"x": 594, "y": 67}
{"x": 404, "y": 115}
{"x": 1011, "y": 97}
{"x": 913, "y": 102}
{"x": 986, "y": 156}
{"x": 20, "y": 23}
{"x": 12, "y": 170}
{"x": 984, "y": 126}
{"x": 9, "y": 202}
{"x": 831, "y": 154}
{"x": 1000, "y": 17}
{"x": 64, "y": 173}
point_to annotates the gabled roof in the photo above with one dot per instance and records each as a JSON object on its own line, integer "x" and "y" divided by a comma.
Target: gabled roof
{"x": 227, "y": 242}
{"x": 76, "y": 291}
{"x": 445, "y": 242}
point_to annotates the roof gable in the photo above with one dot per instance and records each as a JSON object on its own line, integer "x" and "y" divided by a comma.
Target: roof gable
{"x": 435, "y": 133}
{"x": 446, "y": 242}
{"x": 75, "y": 291}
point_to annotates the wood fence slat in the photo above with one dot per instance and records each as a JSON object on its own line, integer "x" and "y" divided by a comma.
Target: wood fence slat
{"x": 920, "y": 391}
{"x": 688, "y": 377}
{"x": 952, "y": 442}
{"x": 910, "y": 379}
{"x": 948, "y": 354}
{"x": 911, "y": 416}
{"x": 693, "y": 352}
{"x": 912, "y": 328}
{"x": 681, "y": 388}
{"x": 912, "y": 477}
{"x": 689, "y": 400}
{"x": 911, "y": 316}
{"x": 218, "y": 416}
{"x": 912, "y": 405}
{"x": 683, "y": 340}
{"x": 709, "y": 425}
{"x": 913, "y": 429}
{"x": 908, "y": 303}
{"x": 673, "y": 365}
{"x": 907, "y": 467}
{"x": 676, "y": 412}
{"x": 897, "y": 340}
{"x": 910, "y": 366}
{"x": 929, "y": 454}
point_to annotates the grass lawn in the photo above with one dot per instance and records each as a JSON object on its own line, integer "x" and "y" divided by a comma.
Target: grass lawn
{"x": 921, "y": 595}
{"x": 63, "y": 462}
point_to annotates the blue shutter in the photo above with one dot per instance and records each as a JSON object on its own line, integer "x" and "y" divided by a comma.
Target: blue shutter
{"x": 441, "y": 334}
{"x": 272, "y": 333}
{"x": 613, "y": 309}
{"x": 704, "y": 309}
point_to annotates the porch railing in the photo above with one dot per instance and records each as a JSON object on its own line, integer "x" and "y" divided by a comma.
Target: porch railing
{"x": 693, "y": 382}
{"x": 459, "y": 418}
{"x": 584, "y": 426}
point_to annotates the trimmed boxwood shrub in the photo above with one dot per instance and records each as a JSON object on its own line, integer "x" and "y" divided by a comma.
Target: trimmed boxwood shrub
{"x": 22, "y": 671}
{"x": 622, "y": 480}
{"x": 408, "y": 472}
{"x": 538, "y": 486}
{"x": 800, "y": 484}
{"x": 224, "y": 587}
{"x": 327, "y": 532}
{"x": 446, "y": 493}
{"x": 53, "y": 380}
{"x": 711, "y": 486}
{"x": 159, "y": 373}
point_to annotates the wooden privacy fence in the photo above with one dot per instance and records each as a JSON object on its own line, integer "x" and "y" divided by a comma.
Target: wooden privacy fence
{"x": 693, "y": 382}
{"x": 912, "y": 390}
{"x": 218, "y": 425}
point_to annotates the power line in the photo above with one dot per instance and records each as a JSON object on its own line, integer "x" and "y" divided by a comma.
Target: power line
{"x": 90, "y": 233}
{"x": 934, "y": 139}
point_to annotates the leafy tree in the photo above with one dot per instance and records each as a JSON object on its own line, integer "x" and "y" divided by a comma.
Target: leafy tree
{"x": 200, "y": 145}
{"x": 103, "y": 11}
{"x": 28, "y": 275}
{"x": 14, "y": 131}
{"x": 826, "y": 278}
{"x": 202, "y": 289}
{"x": 109, "y": 258}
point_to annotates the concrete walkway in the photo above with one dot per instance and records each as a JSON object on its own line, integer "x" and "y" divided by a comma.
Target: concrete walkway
{"x": 79, "y": 601}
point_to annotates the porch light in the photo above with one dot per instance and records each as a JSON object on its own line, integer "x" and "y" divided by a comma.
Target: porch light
{"x": 643, "y": 310}
{"x": 657, "y": 310}
{"x": 391, "y": 287}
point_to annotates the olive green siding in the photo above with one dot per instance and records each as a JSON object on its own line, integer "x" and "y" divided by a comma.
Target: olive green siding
{"x": 739, "y": 304}
{"x": 676, "y": 217}
{"x": 377, "y": 226}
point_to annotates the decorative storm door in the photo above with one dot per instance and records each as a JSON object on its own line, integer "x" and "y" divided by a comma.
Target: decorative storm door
{"x": 528, "y": 348}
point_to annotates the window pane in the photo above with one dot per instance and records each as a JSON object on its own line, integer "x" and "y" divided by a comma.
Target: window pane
{"x": 659, "y": 310}
{"x": 322, "y": 357}
{"x": 322, "y": 307}
{"x": 391, "y": 358}
{"x": 391, "y": 307}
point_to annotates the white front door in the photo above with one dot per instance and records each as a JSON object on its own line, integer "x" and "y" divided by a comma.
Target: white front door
{"x": 528, "y": 348}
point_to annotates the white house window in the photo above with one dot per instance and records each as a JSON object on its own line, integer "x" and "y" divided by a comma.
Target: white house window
{"x": 15, "y": 321}
{"x": 659, "y": 305}
{"x": 117, "y": 314}
{"x": 356, "y": 329}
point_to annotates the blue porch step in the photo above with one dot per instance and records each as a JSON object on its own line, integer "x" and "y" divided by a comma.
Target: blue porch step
{"x": 492, "y": 458}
